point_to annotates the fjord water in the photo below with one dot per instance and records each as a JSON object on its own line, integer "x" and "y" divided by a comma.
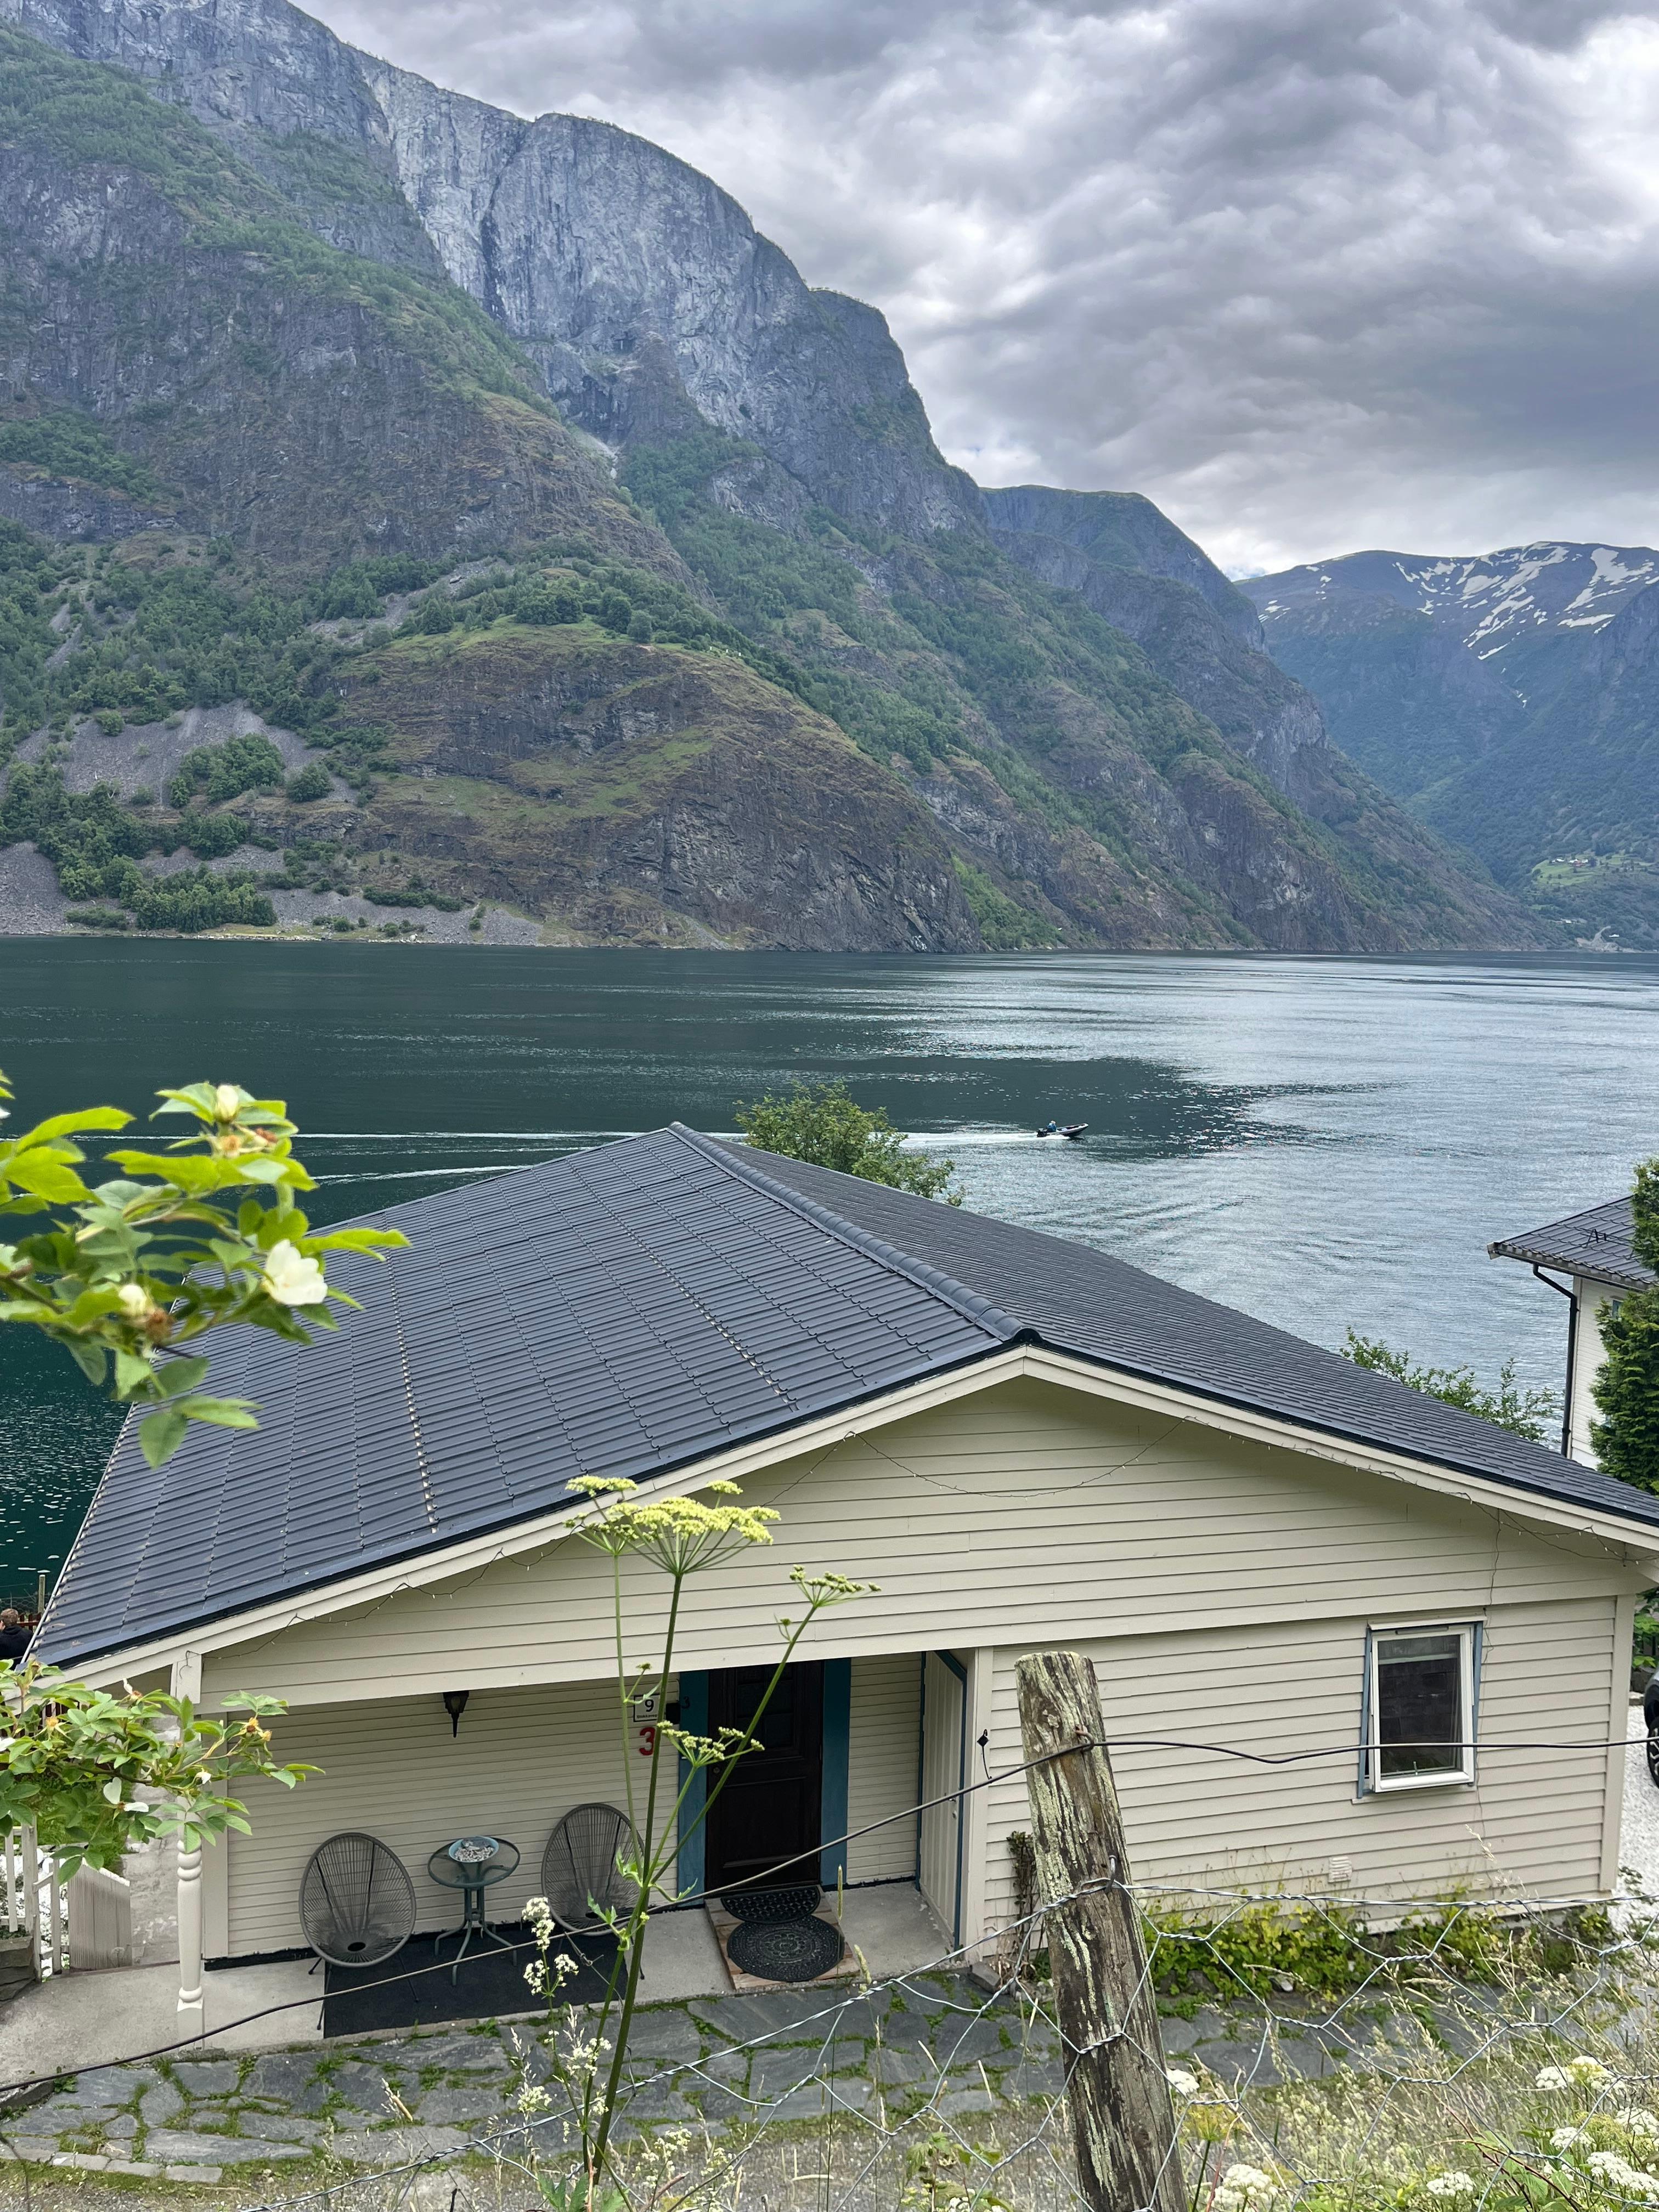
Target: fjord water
{"x": 1320, "y": 1141}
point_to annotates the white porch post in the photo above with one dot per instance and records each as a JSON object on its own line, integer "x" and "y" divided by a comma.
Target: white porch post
{"x": 977, "y": 1808}
{"x": 187, "y": 1683}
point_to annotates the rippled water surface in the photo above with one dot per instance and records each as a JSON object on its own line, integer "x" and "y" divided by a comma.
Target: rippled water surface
{"x": 1320, "y": 1141}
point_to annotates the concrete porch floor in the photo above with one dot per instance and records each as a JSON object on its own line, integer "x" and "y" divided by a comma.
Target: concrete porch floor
{"x": 75, "y": 2021}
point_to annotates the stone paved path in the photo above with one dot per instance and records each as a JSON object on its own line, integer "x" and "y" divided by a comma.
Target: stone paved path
{"x": 936, "y": 2043}
{"x": 938, "y": 2040}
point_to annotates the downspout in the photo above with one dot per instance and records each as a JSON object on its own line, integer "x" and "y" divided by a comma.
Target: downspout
{"x": 1571, "y": 1298}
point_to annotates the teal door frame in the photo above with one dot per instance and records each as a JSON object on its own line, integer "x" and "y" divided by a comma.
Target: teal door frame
{"x": 833, "y": 1789}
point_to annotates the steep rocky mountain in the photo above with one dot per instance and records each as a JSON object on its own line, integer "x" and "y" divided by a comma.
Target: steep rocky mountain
{"x": 506, "y": 461}
{"x": 1507, "y": 700}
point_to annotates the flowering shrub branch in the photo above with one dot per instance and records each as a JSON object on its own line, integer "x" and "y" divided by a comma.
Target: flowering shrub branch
{"x": 95, "y": 1773}
{"x": 180, "y": 1243}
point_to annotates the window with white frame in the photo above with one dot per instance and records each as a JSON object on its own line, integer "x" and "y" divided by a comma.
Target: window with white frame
{"x": 1420, "y": 1701}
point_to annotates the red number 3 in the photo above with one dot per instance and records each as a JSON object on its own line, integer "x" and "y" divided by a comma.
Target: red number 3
{"x": 647, "y": 1742}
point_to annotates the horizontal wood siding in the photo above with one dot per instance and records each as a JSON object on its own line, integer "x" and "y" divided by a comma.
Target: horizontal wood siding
{"x": 1224, "y": 1586}
{"x": 520, "y": 1759}
{"x": 1027, "y": 1514}
{"x": 1197, "y": 1822}
{"x": 881, "y": 1767}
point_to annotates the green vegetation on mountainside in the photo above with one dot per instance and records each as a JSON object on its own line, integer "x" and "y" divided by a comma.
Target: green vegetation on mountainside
{"x": 160, "y": 626}
{"x": 80, "y": 114}
{"x": 57, "y": 442}
{"x": 142, "y": 632}
{"x": 1532, "y": 757}
{"x": 949, "y": 649}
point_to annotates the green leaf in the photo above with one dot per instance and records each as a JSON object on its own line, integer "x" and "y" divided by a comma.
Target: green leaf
{"x": 223, "y": 1412}
{"x": 67, "y": 1125}
{"x": 132, "y": 1372}
{"x": 161, "y": 1435}
{"x": 88, "y": 1358}
{"x": 46, "y": 1178}
{"x": 176, "y": 1376}
{"x": 191, "y": 1171}
{"x": 196, "y": 1098}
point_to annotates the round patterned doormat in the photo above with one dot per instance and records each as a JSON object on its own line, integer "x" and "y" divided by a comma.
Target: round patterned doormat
{"x": 784, "y": 1950}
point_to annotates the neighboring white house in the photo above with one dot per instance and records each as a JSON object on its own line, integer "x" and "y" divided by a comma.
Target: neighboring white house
{"x": 1023, "y": 1442}
{"x": 1594, "y": 1250}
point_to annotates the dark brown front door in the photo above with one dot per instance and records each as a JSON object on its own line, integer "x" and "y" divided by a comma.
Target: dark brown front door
{"x": 770, "y": 1807}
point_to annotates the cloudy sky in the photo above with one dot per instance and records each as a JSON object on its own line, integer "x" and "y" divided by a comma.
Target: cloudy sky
{"x": 1314, "y": 274}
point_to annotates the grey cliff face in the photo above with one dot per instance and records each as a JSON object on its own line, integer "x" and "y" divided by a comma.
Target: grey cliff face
{"x": 237, "y": 65}
{"x": 1120, "y": 529}
{"x": 592, "y": 247}
{"x": 589, "y": 245}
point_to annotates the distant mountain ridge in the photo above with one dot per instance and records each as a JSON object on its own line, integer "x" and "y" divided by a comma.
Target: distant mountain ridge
{"x": 314, "y": 343}
{"x": 1511, "y": 700}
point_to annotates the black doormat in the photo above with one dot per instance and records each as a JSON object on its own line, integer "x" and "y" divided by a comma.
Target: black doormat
{"x": 784, "y": 1950}
{"x": 413, "y": 1987}
{"x": 799, "y": 1900}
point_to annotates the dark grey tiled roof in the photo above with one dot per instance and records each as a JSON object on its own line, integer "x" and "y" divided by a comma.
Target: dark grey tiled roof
{"x": 1083, "y": 1301}
{"x": 1597, "y": 1243}
{"x": 636, "y": 1309}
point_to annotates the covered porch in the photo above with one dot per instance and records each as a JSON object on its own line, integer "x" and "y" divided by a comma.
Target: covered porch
{"x": 850, "y": 1748}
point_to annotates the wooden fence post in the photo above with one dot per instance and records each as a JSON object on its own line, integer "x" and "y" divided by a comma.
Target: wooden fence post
{"x": 1122, "y": 2121}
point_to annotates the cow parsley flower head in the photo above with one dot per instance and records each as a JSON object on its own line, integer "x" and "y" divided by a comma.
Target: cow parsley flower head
{"x": 1244, "y": 2189}
{"x": 1450, "y": 2184}
{"x": 1616, "y": 2172}
{"x": 1568, "y": 2138}
{"x": 1583, "y": 2072}
{"x": 1637, "y": 2120}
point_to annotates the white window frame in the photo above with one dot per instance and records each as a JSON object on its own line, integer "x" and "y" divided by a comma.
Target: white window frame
{"x": 1375, "y": 1782}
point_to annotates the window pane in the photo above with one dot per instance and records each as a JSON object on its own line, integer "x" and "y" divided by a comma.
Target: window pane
{"x": 1419, "y": 1705}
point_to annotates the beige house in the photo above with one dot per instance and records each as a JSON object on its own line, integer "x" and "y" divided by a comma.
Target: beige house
{"x": 1023, "y": 1442}
{"x": 1593, "y": 1250}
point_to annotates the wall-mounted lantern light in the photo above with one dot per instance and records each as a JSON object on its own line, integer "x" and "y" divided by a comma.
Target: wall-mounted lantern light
{"x": 455, "y": 1705}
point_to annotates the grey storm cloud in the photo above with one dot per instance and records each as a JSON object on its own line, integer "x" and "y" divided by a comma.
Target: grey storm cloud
{"x": 1311, "y": 276}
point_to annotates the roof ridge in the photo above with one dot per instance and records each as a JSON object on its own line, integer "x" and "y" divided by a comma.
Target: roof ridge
{"x": 968, "y": 1303}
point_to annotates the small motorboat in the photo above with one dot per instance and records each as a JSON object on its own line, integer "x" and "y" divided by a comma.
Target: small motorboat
{"x": 1068, "y": 1129}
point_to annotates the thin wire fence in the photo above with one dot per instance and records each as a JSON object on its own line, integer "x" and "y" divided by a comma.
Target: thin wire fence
{"x": 1437, "y": 2060}
{"x": 1324, "y": 2049}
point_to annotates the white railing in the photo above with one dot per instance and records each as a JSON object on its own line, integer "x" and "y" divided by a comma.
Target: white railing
{"x": 84, "y": 1922}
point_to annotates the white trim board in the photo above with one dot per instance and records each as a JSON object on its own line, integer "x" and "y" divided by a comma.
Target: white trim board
{"x": 1632, "y": 1542}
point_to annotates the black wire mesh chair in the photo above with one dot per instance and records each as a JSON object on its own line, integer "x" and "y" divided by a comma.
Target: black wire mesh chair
{"x": 579, "y": 1866}
{"x": 356, "y": 1901}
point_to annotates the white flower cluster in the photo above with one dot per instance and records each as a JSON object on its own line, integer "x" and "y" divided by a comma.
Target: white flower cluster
{"x": 1616, "y": 2172}
{"x": 1637, "y": 2120}
{"x": 1569, "y": 2138}
{"x": 1450, "y": 2184}
{"x": 1581, "y": 2073}
{"x": 1244, "y": 2189}
{"x": 1184, "y": 2083}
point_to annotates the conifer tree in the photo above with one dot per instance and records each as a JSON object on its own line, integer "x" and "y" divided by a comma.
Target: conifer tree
{"x": 1626, "y": 1437}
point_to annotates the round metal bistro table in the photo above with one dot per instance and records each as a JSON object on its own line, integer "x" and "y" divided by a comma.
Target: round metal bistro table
{"x": 472, "y": 1864}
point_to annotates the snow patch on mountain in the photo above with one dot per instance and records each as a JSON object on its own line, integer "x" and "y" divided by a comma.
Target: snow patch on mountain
{"x": 1490, "y": 599}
